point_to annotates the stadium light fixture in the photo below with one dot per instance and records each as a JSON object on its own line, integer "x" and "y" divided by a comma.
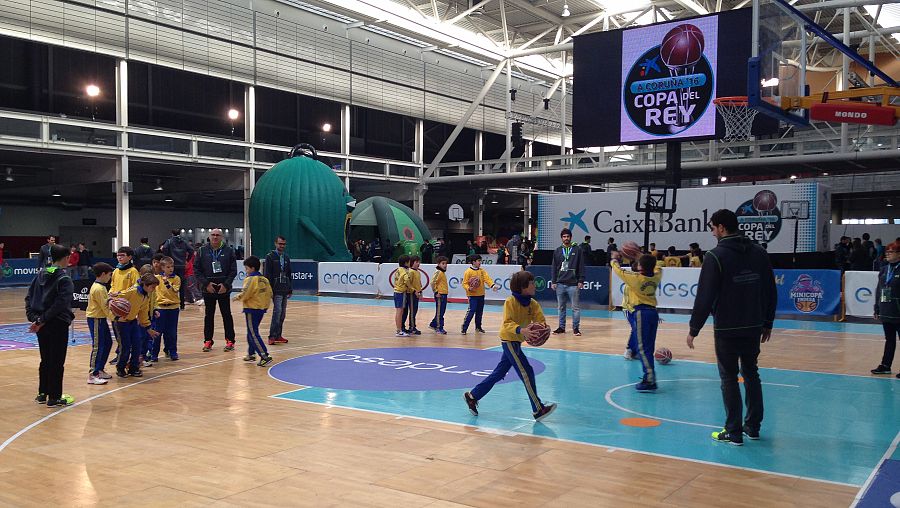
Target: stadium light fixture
{"x": 92, "y": 90}
{"x": 168, "y": 199}
{"x": 233, "y": 114}
{"x": 326, "y": 127}
{"x": 704, "y": 181}
{"x": 723, "y": 178}
{"x": 56, "y": 194}
{"x": 565, "y": 12}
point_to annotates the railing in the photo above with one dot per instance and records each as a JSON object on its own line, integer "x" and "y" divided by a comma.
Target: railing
{"x": 26, "y": 130}
{"x": 812, "y": 142}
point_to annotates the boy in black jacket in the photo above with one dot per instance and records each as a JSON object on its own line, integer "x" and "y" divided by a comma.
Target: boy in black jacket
{"x": 737, "y": 285}
{"x": 48, "y": 307}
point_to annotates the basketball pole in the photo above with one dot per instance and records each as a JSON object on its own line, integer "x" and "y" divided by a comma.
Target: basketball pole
{"x": 796, "y": 229}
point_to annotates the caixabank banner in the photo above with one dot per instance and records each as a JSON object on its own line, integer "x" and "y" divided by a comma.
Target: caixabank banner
{"x": 758, "y": 207}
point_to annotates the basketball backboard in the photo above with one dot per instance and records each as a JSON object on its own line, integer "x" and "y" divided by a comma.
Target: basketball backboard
{"x": 656, "y": 198}
{"x": 795, "y": 210}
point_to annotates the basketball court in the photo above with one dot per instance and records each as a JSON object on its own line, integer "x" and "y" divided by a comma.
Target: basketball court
{"x": 211, "y": 429}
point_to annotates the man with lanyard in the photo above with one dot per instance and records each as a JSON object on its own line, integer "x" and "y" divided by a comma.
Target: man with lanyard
{"x": 887, "y": 306}
{"x": 567, "y": 278}
{"x": 215, "y": 269}
{"x": 277, "y": 269}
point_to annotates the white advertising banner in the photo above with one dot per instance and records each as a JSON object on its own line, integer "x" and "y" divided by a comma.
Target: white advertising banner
{"x": 486, "y": 259}
{"x": 357, "y": 278}
{"x": 758, "y": 207}
{"x": 859, "y": 293}
{"x": 500, "y": 274}
{"x": 676, "y": 291}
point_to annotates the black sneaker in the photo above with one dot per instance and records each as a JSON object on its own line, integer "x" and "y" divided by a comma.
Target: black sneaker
{"x": 415, "y": 331}
{"x": 881, "y": 369}
{"x": 545, "y": 411}
{"x": 480, "y": 330}
{"x": 462, "y": 331}
{"x": 726, "y": 437}
{"x": 472, "y": 403}
{"x": 41, "y": 398}
{"x": 65, "y": 400}
{"x": 121, "y": 373}
{"x": 751, "y": 434}
{"x": 136, "y": 373}
{"x": 577, "y": 332}
{"x": 264, "y": 360}
{"x": 559, "y": 331}
{"x": 645, "y": 387}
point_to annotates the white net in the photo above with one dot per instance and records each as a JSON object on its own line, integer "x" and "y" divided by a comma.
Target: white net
{"x": 738, "y": 118}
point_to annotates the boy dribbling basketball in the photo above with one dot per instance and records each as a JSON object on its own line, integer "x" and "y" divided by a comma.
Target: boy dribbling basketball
{"x": 643, "y": 318}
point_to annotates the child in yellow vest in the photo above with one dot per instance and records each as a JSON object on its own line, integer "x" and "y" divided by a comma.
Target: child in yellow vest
{"x": 400, "y": 286}
{"x": 125, "y": 276}
{"x": 643, "y": 318}
{"x": 413, "y": 293}
{"x": 441, "y": 290}
{"x": 256, "y": 297}
{"x": 132, "y": 327}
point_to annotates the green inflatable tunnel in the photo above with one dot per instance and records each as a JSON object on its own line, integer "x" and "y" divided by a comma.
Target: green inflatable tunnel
{"x": 391, "y": 221}
{"x": 302, "y": 200}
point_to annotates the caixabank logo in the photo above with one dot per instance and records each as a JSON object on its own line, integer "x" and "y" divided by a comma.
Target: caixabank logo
{"x": 670, "y": 86}
{"x": 806, "y": 293}
{"x": 759, "y": 218}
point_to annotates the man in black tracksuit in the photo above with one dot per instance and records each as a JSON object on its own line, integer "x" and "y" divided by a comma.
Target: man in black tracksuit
{"x": 737, "y": 285}
{"x": 48, "y": 307}
{"x": 215, "y": 269}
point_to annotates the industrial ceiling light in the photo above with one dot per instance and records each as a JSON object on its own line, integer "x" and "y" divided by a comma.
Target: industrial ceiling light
{"x": 704, "y": 181}
{"x": 889, "y": 204}
{"x": 168, "y": 199}
{"x": 326, "y": 127}
{"x": 723, "y": 178}
{"x": 9, "y": 177}
{"x": 56, "y": 194}
{"x": 159, "y": 186}
{"x": 793, "y": 177}
{"x": 92, "y": 90}
{"x": 233, "y": 114}
{"x": 565, "y": 11}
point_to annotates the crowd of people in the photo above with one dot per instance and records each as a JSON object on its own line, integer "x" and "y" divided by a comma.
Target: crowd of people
{"x": 859, "y": 254}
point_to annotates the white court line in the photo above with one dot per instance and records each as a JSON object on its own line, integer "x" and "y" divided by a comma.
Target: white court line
{"x": 54, "y": 414}
{"x": 865, "y": 487}
{"x": 501, "y": 432}
{"x": 609, "y": 400}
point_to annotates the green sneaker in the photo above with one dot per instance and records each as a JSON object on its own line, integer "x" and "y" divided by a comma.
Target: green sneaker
{"x": 264, "y": 360}
{"x": 65, "y": 400}
{"x": 723, "y": 436}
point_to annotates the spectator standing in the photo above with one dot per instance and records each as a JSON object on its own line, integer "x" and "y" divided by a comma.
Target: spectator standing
{"x": 887, "y": 306}
{"x": 737, "y": 285}
{"x": 869, "y": 247}
{"x": 277, "y": 269}
{"x": 215, "y": 269}
{"x": 72, "y": 267}
{"x": 610, "y": 248}
{"x": 85, "y": 263}
{"x": 586, "y": 250}
{"x": 178, "y": 249}
{"x": 427, "y": 251}
{"x": 842, "y": 254}
{"x": 567, "y": 278}
{"x": 44, "y": 257}
{"x": 859, "y": 257}
{"x": 143, "y": 253}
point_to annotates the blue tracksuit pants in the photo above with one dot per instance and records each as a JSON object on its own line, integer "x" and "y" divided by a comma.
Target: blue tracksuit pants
{"x": 255, "y": 343}
{"x": 644, "y": 321}
{"x": 515, "y": 358}
{"x": 476, "y": 310}
{"x": 102, "y": 343}
{"x": 167, "y": 325}
{"x": 440, "y": 307}
{"x": 131, "y": 339}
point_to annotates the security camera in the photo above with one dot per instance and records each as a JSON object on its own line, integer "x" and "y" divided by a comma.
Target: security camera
{"x": 277, "y": 14}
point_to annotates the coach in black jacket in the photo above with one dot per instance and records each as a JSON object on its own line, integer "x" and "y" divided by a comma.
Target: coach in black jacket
{"x": 737, "y": 285}
{"x": 277, "y": 269}
{"x": 215, "y": 269}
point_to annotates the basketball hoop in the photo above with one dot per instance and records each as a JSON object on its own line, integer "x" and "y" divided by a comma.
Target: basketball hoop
{"x": 738, "y": 117}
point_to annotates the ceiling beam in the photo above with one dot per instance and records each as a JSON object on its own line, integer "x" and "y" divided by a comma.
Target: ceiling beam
{"x": 692, "y": 5}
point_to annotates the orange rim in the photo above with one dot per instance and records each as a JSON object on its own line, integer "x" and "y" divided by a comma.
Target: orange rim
{"x": 731, "y": 101}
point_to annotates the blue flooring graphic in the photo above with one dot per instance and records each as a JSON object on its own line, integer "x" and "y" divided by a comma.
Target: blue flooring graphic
{"x": 821, "y": 426}
{"x": 16, "y": 336}
{"x": 427, "y": 308}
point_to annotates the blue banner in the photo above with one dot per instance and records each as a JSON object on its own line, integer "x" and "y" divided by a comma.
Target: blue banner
{"x": 594, "y": 294}
{"x": 305, "y": 276}
{"x": 808, "y": 292}
{"x": 18, "y": 272}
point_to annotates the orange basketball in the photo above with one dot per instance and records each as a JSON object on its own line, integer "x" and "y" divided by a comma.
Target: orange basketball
{"x": 120, "y": 307}
{"x": 543, "y": 334}
{"x": 663, "y": 355}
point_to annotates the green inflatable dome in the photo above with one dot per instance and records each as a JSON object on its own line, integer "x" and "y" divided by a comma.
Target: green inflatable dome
{"x": 302, "y": 200}
{"x": 400, "y": 229}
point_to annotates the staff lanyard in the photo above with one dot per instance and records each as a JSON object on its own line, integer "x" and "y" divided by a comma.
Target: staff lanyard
{"x": 890, "y": 273}
{"x": 567, "y": 251}
{"x": 280, "y": 260}
{"x": 215, "y": 253}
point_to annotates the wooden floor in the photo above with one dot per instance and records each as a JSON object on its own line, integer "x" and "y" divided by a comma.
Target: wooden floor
{"x": 204, "y": 431}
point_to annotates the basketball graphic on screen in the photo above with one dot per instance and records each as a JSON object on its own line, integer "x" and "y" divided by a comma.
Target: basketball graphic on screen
{"x": 765, "y": 201}
{"x": 682, "y": 46}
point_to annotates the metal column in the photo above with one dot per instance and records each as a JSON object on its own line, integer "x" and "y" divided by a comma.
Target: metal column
{"x": 508, "y": 120}
{"x": 845, "y": 77}
{"x": 123, "y": 219}
{"x": 249, "y": 184}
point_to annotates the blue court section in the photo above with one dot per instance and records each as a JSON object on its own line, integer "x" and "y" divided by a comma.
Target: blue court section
{"x": 426, "y": 309}
{"x": 821, "y": 426}
{"x": 884, "y": 490}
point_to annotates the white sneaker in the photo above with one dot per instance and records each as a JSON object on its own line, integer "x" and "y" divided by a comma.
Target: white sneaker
{"x": 401, "y": 333}
{"x": 104, "y": 375}
{"x": 96, "y": 380}
{"x": 629, "y": 355}
{"x": 148, "y": 363}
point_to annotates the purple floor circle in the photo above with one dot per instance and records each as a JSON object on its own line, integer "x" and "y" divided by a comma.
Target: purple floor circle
{"x": 395, "y": 369}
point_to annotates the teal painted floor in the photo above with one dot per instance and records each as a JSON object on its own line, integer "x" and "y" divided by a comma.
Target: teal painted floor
{"x": 827, "y": 427}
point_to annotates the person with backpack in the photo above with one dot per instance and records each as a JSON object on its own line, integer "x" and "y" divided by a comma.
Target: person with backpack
{"x": 143, "y": 253}
{"x": 48, "y": 307}
{"x": 178, "y": 249}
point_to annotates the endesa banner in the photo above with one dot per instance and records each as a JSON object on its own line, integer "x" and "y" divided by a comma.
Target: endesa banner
{"x": 676, "y": 291}
{"x": 594, "y": 293}
{"x": 800, "y": 292}
{"x": 500, "y": 274}
{"x": 356, "y": 278}
{"x": 859, "y": 293}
